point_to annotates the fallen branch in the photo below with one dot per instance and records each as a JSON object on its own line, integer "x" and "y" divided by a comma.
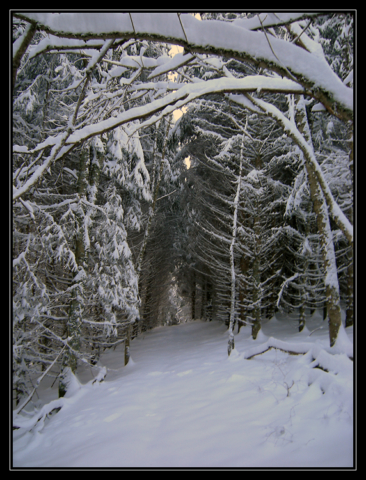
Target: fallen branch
{"x": 321, "y": 356}
{"x": 276, "y": 348}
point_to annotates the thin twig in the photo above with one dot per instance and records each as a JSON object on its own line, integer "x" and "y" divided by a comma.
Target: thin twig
{"x": 182, "y": 27}
{"x": 167, "y": 195}
{"x": 296, "y": 39}
{"x": 134, "y": 31}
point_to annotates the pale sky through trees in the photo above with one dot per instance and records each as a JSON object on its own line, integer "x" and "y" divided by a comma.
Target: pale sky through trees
{"x": 178, "y": 113}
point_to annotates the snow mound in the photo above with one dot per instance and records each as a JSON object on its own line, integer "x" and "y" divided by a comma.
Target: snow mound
{"x": 343, "y": 344}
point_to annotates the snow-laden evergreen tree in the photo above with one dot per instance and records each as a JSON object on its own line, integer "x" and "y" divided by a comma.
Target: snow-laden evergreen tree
{"x": 91, "y": 286}
{"x": 43, "y": 249}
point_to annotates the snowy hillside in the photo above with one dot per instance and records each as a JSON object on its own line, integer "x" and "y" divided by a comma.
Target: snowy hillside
{"x": 182, "y": 402}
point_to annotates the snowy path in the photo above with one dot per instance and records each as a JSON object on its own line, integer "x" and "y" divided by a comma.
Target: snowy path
{"x": 183, "y": 403}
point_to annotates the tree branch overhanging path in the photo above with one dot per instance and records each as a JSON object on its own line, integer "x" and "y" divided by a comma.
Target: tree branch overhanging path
{"x": 314, "y": 76}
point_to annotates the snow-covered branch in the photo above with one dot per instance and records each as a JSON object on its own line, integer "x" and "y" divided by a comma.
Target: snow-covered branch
{"x": 210, "y": 37}
{"x": 284, "y": 284}
{"x": 171, "y": 102}
{"x": 20, "y": 46}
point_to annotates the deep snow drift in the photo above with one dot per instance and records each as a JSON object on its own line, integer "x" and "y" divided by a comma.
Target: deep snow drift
{"x": 181, "y": 402}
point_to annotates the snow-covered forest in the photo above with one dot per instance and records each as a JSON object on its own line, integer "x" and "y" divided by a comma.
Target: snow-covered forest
{"x": 177, "y": 167}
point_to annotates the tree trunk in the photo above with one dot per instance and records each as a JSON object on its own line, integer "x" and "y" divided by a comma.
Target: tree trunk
{"x": 203, "y": 299}
{"x": 231, "y": 344}
{"x": 209, "y": 301}
{"x": 147, "y": 304}
{"x": 244, "y": 267}
{"x": 257, "y": 294}
{"x": 305, "y": 269}
{"x": 302, "y": 317}
{"x": 28, "y": 35}
{"x": 77, "y": 301}
{"x": 256, "y": 326}
{"x": 326, "y": 238}
{"x": 193, "y": 296}
{"x": 127, "y": 344}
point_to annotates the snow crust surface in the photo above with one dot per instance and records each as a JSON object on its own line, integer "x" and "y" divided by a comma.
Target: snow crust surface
{"x": 182, "y": 402}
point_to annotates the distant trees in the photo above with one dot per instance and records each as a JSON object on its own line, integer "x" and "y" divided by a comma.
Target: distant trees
{"x": 111, "y": 235}
{"x": 239, "y": 203}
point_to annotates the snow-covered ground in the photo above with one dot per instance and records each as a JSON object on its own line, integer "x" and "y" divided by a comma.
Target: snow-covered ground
{"x": 182, "y": 402}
